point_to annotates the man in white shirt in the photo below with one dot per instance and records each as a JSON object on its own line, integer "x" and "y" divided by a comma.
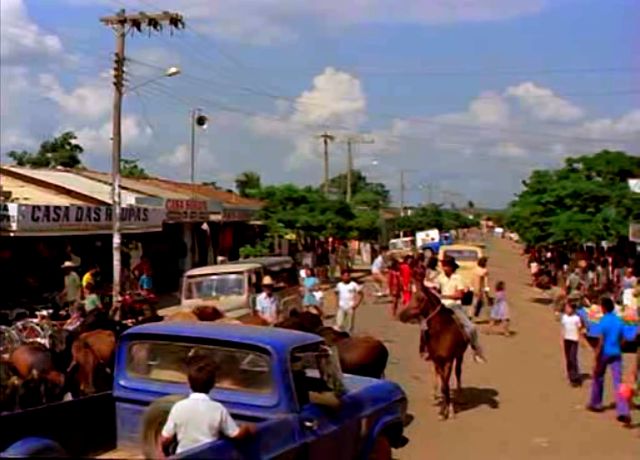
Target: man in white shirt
{"x": 267, "y": 304}
{"x": 377, "y": 272}
{"x": 198, "y": 419}
{"x": 349, "y": 299}
{"x": 452, "y": 289}
{"x": 571, "y": 328}
{"x": 71, "y": 294}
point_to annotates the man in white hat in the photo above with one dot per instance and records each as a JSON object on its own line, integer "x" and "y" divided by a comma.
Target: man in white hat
{"x": 267, "y": 304}
{"x": 72, "y": 285}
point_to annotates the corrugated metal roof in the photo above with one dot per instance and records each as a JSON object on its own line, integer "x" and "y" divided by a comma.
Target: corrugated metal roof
{"x": 136, "y": 185}
{"x": 77, "y": 183}
{"x": 26, "y": 193}
{"x": 207, "y": 191}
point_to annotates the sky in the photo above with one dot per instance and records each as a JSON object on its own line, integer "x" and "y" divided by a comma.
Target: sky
{"x": 466, "y": 96}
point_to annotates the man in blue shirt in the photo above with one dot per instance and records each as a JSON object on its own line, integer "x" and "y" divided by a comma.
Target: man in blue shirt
{"x": 609, "y": 353}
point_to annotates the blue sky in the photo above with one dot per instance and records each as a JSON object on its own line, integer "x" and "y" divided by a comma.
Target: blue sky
{"x": 469, "y": 94}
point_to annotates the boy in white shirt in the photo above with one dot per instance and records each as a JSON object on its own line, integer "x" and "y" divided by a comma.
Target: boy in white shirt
{"x": 349, "y": 299}
{"x": 571, "y": 328}
{"x": 198, "y": 419}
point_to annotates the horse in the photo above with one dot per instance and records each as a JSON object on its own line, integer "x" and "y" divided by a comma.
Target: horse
{"x": 210, "y": 313}
{"x": 446, "y": 342}
{"x": 364, "y": 356}
{"x": 92, "y": 359}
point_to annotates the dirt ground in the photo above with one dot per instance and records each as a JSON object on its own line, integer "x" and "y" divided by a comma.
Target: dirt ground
{"x": 517, "y": 406}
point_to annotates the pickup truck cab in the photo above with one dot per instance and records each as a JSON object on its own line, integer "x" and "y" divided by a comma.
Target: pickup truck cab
{"x": 233, "y": 287}
{"x": 286, "y": 382}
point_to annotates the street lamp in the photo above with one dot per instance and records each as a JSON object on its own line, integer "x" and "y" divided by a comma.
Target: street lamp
{"x": 201, "y": 121}
{"x": 115, "y": 173}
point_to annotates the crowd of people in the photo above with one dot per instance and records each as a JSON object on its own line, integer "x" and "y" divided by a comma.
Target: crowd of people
{"x": 597, "y": 296}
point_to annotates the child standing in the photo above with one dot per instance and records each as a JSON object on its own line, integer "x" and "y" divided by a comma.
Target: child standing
{"x": 349, "y": 298}
{"x": 571, "y": 328}
{"x": 500, "y": 310}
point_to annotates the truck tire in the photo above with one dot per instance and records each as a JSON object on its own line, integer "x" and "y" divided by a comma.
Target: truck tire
{"x": 153, "y": 420}
{"x": 381, "y": 449}
{"x": 34, "y": 447}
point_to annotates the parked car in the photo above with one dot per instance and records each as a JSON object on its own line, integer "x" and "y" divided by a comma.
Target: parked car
{"x": 286, "y": 382}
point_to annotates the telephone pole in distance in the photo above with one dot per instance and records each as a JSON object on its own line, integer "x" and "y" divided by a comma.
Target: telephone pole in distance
{"x": 350, "y": 140}
{"x": 326, "y": 138}
{"x": 123, "y": 23}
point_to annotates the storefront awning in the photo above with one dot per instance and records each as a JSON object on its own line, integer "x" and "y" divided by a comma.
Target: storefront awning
{"x": 33, "y": 220}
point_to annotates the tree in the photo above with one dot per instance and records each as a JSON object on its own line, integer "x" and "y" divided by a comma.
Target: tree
{"x": 131, "y": 168}
{"x": 434, "y": 216}
{"x": 61, "y": 151}
{"x": 587, "y": 200}
{"x": 248, "y": 183}
{"x": 372, "y": 195}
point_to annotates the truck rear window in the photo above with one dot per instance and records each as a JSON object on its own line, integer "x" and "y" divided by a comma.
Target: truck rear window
{"x": 238, "y": 369}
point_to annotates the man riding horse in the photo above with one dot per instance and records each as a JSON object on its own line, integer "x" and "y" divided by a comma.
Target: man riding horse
{"x": 452, "y": 290}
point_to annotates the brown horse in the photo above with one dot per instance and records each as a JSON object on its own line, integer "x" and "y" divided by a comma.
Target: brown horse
{"x": 446, "y": 342}
{"x": 92, "y": 354}
{"x": 209, "y": 313}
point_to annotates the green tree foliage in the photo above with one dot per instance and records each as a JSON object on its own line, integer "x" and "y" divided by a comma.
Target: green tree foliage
{"x": 131, "y": 168}
{"x": 372, "y": 195}
{"x": 433, "y": 216}
{"x": 62, "y": 151}
{"x": 587, "y": 200}
{"x": 248, "y": 183}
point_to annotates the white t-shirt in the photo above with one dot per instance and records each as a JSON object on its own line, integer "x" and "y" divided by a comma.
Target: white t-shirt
{"x": 347, "y": 293}
{"x": 268, "y": 306}
{"x": 378, "y": 264}
{"x": 198, "y": 420}
{"x": 72, "y": 284}
{"x": 570, "y": 327}
{"x": 449, "y": 286}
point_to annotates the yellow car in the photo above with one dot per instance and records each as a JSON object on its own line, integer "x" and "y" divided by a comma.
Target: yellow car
{"x": 466, "y": 256}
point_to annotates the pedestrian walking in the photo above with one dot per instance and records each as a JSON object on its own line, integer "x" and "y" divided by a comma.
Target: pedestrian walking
{"x": 500, "y": 310}
{"x": 395, "y": 286}
{"x": 377, "y": 272}
{"x": 480, "y": 286}
{"x": 311, "y": 287}
{"x": 609, "y": 354}
{"x": 72, "y": 292}
{"x": 405, "y": 277}
{"x": 571, "y": 330}
{"x": 349, "y": 299}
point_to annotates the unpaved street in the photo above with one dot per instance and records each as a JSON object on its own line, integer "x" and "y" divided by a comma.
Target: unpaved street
{"x": 519, "y": 405}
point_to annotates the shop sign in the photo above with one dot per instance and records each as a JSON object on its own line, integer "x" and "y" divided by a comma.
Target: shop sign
{"x": 187, "y": 210}
{"x": 8, "y": 216}
{"x": 230, "y": 215}
{"x": 90, "y": 218}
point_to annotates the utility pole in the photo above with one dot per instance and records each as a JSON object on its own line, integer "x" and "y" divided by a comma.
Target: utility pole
{"x": 401, "y": 192}
{"x": 350, "y": 140}
{"x": 123, "y": 23}
{"x": 326, "y": 138}
{"x": 199, "y": 120}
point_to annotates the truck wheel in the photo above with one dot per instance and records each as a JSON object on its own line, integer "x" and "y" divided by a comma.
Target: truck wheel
{"x": 153, "y": 421}
{"x": 34, "y": 447}
{"x": 381, "y": 449}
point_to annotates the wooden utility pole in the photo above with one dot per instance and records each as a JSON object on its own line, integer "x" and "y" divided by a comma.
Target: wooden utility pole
{"x": 350, "y": 140}
{"x": 326, "y": 138}
{"x": 123, "y": 23}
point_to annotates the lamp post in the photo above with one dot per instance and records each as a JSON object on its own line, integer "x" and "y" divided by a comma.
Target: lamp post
{"x": 115, "y": 162}
{"x": 200, "y": 120}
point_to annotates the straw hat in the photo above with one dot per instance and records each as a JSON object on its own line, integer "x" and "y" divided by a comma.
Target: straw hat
{"x": 68, "y": 264}
{"x": 267, "y": 281}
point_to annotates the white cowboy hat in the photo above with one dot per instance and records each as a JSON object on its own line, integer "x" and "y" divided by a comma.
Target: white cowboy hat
{"x": 68, "y": 264}
{"x": 267, "y": 281}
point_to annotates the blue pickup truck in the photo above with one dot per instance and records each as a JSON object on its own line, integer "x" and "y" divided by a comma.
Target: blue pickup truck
{"x": 287, "y": 383}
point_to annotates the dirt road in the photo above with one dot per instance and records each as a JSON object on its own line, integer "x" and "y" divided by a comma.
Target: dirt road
{"x": 518, "y": 405}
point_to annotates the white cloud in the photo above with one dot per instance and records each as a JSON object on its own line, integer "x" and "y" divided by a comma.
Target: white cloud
{"x": 20, "y": 38}
{"x": 97, "y": 140}
{"x": 625, "y": 127}
{"x": 543, "y": 104}
{"x": 89, "y": 101}
{"x": 335, "y": 102}
{"x": 510, "y": 149}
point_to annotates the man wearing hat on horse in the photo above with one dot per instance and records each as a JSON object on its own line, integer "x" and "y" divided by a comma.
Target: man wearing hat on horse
{"x": 452, "y": 289}
{"x": 267, "y": 304}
